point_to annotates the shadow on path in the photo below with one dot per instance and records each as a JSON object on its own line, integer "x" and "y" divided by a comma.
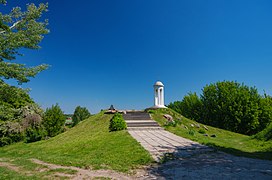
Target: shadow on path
{"x": 196, "y": 162}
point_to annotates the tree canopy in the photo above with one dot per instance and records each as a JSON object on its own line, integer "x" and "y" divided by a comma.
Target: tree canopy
{"x": 228, "y": 105}
{"x": 21, "y": 29}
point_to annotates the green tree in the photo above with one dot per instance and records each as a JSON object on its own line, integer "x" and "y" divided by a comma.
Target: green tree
{"x": 228, "y": 105}
{"x": 265, "y": 116}
{"x": 232, "y": 106}
{"x": 12, "y": 99}
{"x": 20, "y": 29}
{"x": 53, "y": 120}
{"x": 190, "y": 106}
{"x": 80, "y": 114}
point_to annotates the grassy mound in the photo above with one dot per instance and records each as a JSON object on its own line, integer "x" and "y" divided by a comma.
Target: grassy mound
{"x": 265, "y": 134}
{"x": 88, "y": 145}
{"x": 226, "y": 141}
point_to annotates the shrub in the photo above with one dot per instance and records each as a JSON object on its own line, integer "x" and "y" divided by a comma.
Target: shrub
{"x": 117, "y": 123}
{"x": 34, "y": 134}
{"x": 53, "y": 120}
{"x": 80, "y": 114}
{"x": 10, "y": 132}
{"x": 34, "y": 130}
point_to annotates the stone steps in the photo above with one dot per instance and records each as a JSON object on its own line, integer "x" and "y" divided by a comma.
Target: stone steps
{"x": 145, "y": 124}
{"x": 140, "y": 120}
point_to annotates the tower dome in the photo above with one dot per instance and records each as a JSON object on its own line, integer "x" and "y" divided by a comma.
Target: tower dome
{"x": 158, "y": 83}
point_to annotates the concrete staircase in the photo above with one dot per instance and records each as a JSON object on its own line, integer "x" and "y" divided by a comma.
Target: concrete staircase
{"x": 140, "y": 120}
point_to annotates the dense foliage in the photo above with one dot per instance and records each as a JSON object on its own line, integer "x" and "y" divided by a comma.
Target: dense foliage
{"x": 190, "y": 106}
{"x": 53, "y": 120}
{"x": 117, "y": 123}
{"x": 228, "y": 105}
{"x": 20, "y": 117}
{"x": 21, "y": 120}
{"x": 12, "y": 100}
{"x": 80, "y": 114}
{"x": 34, "y": 130}
{"x": 20, "y": 29}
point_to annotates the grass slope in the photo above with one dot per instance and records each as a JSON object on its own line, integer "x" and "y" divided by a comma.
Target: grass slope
{"x": 227, "y": 141}
{"x": 89, "y": 144}
{"x": 265, "y": 134}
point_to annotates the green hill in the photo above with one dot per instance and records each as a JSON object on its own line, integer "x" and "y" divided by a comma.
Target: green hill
{"x": 88, "y": 145}
{"x": 226, "y": 141}
{"x": 91, "y": 145}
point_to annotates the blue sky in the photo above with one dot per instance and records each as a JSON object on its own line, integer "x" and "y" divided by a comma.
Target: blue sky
{"x": 112, "y": 52}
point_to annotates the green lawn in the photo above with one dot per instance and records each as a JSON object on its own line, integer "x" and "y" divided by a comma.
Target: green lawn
{"x": 227, "y": 141}
{"x": 88, "y": 145}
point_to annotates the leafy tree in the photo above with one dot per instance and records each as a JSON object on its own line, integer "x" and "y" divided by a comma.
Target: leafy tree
{"x": 228, "y": 105}
{"x": 265, "y": 107}
{"x": 80, "y": 114}
{"x": 12, "y": 99}
{"x": 232, "y": 106}
{"x": 190, "y": 106}
{"x": 16, "y": 97}
{"x": 20, "y": 29}
{"x": 53, "y": 120}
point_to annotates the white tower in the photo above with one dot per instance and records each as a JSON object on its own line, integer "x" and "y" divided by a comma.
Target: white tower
{"x": 159, "y": 95}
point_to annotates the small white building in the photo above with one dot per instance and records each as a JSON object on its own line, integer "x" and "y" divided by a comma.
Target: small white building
{"x": 159, "y": 95}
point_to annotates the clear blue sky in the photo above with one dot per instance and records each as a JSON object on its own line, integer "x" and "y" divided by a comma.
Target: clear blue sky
{"x": 111, "y": 52}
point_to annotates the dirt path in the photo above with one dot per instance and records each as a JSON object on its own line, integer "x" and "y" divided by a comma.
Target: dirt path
{"x": 77, "y": 173}
{"x": 10, "y": 166}
{"x": 208, "y": 165}
{"x": 84, "y": 173}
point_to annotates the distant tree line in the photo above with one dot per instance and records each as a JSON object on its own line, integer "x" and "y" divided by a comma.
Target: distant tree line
{"x": 228, "y": 105}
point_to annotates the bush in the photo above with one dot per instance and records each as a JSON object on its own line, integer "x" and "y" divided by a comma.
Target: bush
{"x": 34, "y": 134}
{"x": 80, "y": 114}
{"x": 117, "y": 123}
{"x": 34, "y": 130}
{"x": 53, "y": 120}
{"x": 10, "y": 132}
